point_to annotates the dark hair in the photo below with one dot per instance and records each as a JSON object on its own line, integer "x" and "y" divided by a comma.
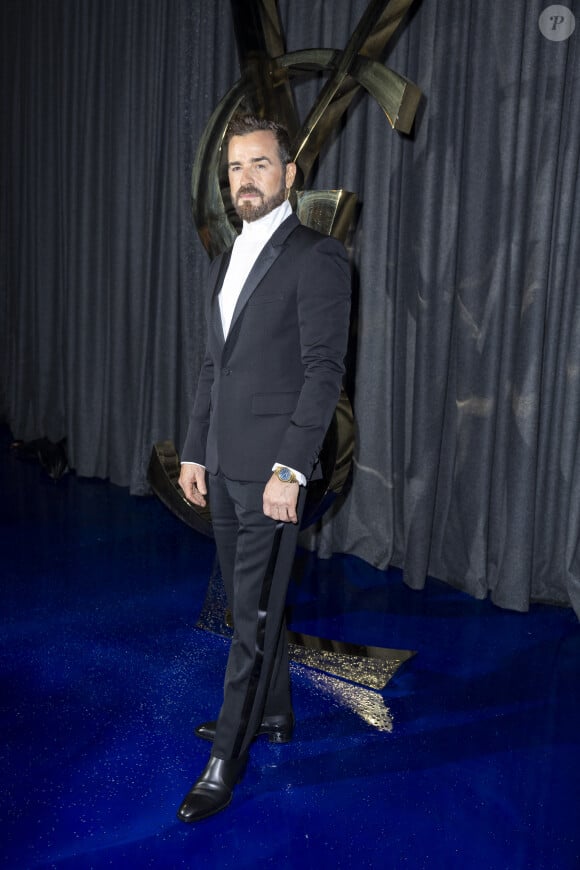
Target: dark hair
{"x": 241, "y": 125}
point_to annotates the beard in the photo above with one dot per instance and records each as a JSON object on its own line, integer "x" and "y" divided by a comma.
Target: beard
{"x": 252, "y": 212}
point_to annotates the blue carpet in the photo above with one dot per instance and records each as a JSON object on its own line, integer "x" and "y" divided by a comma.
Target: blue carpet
{"x": 469, "y": 758}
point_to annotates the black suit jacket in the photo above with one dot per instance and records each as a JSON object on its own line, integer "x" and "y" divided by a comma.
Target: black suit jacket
{"x": 268, "y": 391}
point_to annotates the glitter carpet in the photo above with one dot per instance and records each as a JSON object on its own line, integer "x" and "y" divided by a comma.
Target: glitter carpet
{"x": 468, "y": 757}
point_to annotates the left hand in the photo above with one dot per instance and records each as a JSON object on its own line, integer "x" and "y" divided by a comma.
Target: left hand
{"x": 280, "y": 500}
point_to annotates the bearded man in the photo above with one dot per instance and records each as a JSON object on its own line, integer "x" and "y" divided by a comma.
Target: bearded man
{"x": 278, "y": 312}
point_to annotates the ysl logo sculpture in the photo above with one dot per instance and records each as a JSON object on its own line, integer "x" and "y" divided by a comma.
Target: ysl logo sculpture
{"x": 264, "y": 88}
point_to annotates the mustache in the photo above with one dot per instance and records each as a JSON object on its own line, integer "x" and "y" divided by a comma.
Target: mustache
{"x": 248, "y": 188}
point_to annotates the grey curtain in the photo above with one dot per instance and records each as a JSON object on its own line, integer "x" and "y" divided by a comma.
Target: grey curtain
{"x": 102, "y": 103}
{"x": 465, "y": 360}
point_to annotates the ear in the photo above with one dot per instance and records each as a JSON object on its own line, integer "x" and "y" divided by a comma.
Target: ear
{"x": 290, "y": 175}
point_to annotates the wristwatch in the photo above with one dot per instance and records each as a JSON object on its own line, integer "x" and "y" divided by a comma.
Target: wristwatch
{"x": 286, "y": 475}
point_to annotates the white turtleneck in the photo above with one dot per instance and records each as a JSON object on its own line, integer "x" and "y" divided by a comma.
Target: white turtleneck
{"x": 246, "y": 250}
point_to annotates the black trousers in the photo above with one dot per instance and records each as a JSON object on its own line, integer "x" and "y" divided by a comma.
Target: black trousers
{"x": 256, "y": 555}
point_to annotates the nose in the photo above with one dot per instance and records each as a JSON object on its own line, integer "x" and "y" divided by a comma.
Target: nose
{"x": 248, "y": 175}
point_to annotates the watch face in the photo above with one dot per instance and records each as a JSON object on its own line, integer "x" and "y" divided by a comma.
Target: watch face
{"x": 284, "y": 473}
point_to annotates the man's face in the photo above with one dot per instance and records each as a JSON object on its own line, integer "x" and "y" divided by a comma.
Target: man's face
{"x": 258, "y": 180}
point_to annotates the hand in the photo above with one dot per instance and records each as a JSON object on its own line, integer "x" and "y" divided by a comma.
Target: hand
{"x": 192, "y": 482}
{"x": 280, "y": 500}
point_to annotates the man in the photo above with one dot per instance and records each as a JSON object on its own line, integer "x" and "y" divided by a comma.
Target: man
{"x": 278, "y": 310}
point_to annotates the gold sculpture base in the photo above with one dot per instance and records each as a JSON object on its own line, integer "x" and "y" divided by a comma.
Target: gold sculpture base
{"x": 371, "y": 667}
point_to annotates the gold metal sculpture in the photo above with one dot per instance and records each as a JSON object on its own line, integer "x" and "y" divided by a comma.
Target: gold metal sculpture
{"x": 264, "y": 88}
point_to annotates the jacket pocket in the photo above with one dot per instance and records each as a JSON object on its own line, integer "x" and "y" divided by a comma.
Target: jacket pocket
{"x": 258, "y": 299}
{"x": 274, "y": 403}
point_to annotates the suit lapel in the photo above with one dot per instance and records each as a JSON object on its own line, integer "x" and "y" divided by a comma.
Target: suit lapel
{"x": 214, "y": 312}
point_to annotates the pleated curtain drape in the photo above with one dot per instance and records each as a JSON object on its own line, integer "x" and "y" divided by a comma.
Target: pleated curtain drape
{"x": 464, "y": 365}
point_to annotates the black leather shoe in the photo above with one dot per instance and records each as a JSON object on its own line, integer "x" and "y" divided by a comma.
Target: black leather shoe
{"x": 213, "y": 790}
{"x": 278, "y": 728}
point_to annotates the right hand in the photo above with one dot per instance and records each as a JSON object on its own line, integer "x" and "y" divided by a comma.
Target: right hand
{"x": 192, "y": 482}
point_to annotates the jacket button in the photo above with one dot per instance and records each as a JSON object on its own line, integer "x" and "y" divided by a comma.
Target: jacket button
{"x": 226, "y": 371}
